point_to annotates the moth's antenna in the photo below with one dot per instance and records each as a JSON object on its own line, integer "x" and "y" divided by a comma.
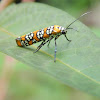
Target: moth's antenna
{"x": 78, "y": 18}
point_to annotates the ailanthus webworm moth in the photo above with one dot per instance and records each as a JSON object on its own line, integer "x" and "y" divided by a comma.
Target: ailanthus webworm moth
{"x": 45, "y": 35}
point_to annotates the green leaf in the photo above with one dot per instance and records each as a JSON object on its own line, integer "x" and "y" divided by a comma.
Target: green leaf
{"x": 78, "y": 62}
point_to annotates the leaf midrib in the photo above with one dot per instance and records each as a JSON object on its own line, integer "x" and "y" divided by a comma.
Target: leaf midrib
{"x": 11, "y": 34}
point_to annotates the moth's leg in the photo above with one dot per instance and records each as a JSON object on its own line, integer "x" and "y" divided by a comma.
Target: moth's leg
{"x": 43, "y": 43}
{"x": 67, "y": 38}
{"x": 56, "y": 47}
{"x": 55, "y": 50}
{"x": 49, "y": 43}
{"x": 38, "y": 48}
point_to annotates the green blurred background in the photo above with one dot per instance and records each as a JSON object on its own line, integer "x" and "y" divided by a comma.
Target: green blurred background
{"x": 21, "y": 82}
